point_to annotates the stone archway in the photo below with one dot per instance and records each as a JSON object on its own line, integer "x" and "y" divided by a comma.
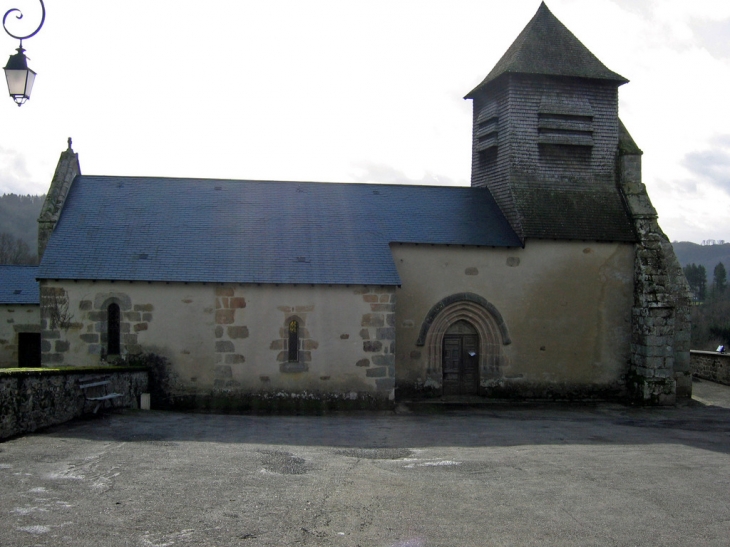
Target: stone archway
{"x": 482, "y": 316}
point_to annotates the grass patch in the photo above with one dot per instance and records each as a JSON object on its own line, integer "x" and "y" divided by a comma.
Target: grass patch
{"x": 54, "y": 371}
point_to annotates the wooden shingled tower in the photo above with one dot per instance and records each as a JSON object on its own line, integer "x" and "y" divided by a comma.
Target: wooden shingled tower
{"x": 545, "y": 137}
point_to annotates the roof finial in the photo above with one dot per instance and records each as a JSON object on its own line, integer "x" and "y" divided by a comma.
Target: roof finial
{"x": 69, "y": 143}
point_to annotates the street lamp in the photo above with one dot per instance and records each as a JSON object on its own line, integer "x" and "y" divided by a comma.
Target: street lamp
{"x": 19, "y": 76}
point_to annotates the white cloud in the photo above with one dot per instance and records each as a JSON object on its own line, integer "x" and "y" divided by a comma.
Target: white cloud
{"x": 14, "y": 175}
{"x": 380, "y": 173}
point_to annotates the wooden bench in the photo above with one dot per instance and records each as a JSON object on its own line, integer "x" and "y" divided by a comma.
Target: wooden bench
{"x": 96, "y": 390}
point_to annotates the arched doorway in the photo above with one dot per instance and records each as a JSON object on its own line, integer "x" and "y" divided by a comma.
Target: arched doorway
{"x": 460, "y": 361}
{"x": 475, "y": 322}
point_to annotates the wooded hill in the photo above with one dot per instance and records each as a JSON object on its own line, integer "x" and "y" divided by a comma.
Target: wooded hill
{"x": 19, "y": 228}
{"x": 19, "y": 216}
{"x": 702, "y": 255}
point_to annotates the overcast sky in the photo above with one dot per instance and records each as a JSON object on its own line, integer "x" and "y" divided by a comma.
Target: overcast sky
{"x": 348, "y": 91}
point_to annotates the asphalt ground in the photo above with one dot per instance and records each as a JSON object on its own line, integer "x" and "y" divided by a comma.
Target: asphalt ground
{"x": 422, "y": 476}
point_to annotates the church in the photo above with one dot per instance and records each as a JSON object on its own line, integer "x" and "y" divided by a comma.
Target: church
{"x": 548, "y": 278}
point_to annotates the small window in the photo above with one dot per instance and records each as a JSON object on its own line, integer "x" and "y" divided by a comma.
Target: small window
{"x": 293, "y": 341}
{"x": 113, "y": 329}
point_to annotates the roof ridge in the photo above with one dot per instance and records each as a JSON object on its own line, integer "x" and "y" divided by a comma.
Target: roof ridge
{"x": 266, "y": 181}
{"x": 547, "y": 47}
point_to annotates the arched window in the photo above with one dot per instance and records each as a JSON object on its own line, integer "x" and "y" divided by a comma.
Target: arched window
{"x": 293, "y": 341}
{"x": 113, "y": 329}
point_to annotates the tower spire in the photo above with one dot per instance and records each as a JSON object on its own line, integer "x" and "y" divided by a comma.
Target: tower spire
{"x": 546, "y": 47}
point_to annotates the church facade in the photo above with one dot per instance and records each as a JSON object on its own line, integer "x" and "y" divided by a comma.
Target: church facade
{"x": 548, "y": 278}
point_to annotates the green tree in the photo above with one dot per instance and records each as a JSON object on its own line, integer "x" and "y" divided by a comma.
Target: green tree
{"x": 697, "y": 279}
{"x": 711, "y": 320}
{"x": 719, "y": 278}
{"x": 701, "y": 282}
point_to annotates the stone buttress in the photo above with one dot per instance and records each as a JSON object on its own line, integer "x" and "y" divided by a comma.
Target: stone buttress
{"x": 660, "y": 323}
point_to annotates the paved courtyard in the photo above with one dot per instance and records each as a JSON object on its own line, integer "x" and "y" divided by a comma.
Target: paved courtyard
{"x": 419, "y": 477}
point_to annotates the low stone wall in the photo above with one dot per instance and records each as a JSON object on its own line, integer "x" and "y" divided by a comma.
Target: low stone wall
{"x": 710, "y": 365}
{"x": 31, "y": 399}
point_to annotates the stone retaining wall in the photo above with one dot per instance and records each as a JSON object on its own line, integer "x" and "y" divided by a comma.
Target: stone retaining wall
{"x": 710, "y": 365}
{"x": 32, "y": 399}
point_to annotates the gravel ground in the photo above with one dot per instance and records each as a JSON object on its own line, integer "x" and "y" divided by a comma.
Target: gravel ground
{"x": 420, "y": 477}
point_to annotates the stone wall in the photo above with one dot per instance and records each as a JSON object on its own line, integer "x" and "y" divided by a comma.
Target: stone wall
{"x": 660, "y": 364}
{"x": 554, "y": 318}
{"x": 710, "y": 365}
{"x": 378, "y": 336}
{"x": 30, "y": 400}
{"x": 228, "y": 335}
{"x": 87, "y": 319}
{"x": 231, "y": 341}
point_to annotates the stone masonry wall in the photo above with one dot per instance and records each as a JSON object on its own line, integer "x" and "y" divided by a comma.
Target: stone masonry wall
{"x": 378, "y": 335}
{"x": 234, "y": 335}
{"x": 32, "y": 400}
{"x": 56, "y": 319}
{"x": 230, "y": 342}
{"x": 228, "y": 336}
{"x": 659, "y": 371}
{"x": 252, "y": 341}
{"x": 88, "y": 320}
{"x": 710, "y": 365}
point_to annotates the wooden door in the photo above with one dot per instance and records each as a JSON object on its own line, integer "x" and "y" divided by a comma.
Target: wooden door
{"x": 461, "y": 360}
{"x": 470, "y": 365}
{"x": 452, "y": 365}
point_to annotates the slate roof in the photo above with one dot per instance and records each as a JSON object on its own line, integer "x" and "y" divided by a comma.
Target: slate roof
{"x": 595, "y": 214}
{"x": 18, "y": 285}
{"x": 203, "y": 230}
{"x": 546, "y": 47}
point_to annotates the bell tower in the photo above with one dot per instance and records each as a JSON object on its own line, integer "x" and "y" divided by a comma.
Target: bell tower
{"x": 545, "y": 137}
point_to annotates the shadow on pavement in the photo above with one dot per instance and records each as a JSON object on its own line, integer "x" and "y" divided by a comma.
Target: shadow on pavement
{"x": 693, "y": 424}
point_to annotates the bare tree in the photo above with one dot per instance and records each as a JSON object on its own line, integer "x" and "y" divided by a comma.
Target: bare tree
{"x": 14, "y": 250}
{"x": 54, "y": 302}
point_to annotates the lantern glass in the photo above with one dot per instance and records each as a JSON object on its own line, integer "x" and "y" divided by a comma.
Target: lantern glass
{"x": 20, "y": 78}
{"x": 20, "y": 84}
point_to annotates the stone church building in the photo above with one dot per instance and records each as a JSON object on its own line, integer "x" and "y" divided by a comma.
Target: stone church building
{"x": 549, "y": 277}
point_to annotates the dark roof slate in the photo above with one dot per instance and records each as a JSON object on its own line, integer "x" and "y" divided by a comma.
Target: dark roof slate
{"x": 18, "y": 285}
{"x": 202, "y": 230}
{"x": 567, "y": 213}
{"x": 546, "y": 47}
